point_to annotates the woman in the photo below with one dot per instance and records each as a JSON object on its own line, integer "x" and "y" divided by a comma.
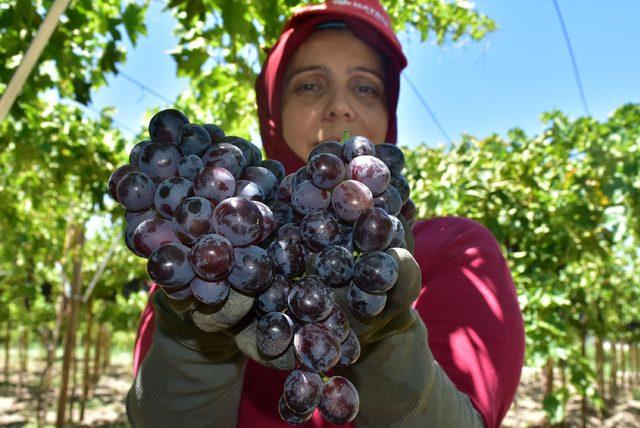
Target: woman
{"x": 337, "y": 66}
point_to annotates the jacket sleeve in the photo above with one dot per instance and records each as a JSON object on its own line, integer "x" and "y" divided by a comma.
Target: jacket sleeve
{"x": 189, "y": 378}
{"x": 401, "y": 385}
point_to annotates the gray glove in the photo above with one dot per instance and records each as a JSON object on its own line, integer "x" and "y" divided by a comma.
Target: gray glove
{"x": 234, "y": 321}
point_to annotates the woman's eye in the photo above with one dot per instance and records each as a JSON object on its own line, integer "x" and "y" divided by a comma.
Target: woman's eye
{"x": 305, "y": 87}
{"x": 367, "y": 89}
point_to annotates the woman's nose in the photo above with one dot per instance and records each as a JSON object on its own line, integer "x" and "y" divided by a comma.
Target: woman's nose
{"x": 339, "y": 108}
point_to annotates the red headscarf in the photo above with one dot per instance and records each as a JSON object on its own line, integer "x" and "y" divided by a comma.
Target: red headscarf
{"x": 368, "y": 21}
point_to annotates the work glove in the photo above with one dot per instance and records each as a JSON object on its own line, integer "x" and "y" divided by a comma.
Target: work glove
{"x": 233, "y": 324}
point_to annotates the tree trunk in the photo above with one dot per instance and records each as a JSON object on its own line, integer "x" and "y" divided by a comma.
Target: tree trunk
{"x": 7, "y": 350}
{"x": 52, "y": 346}
{"x": 87, "y": 355}
{"x": 97, "y": 355}
{"x": 600, "y": 373}
{"x": 72, "y": 371}
{"x": 548, "y": 386}
{"x": 54, "y": 337}
{"x": 107, "y": 351}
{"x": 613, "y": 376}
{"x": 563, "y": 380}
{"x": 583, "y": 407}
{"x": 23, "y": 350}
{"x": 71, "y": 329}
{"x": 623, "y": 367}
{"x": 636, "y": 363}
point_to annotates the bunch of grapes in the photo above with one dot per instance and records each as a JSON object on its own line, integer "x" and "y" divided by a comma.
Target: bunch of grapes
{"x": 216, "y": 222}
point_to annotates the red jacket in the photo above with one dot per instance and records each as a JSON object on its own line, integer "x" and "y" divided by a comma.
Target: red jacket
{"x": 469, "y": 305}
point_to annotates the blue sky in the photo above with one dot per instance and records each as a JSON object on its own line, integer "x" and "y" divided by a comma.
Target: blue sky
{"x": 506, "y": 80}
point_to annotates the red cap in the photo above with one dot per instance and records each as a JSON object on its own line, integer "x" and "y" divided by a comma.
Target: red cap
{"x": 368, "y": 21}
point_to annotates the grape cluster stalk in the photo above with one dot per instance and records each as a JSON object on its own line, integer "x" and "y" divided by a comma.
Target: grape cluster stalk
{"x": 217, "y": 223}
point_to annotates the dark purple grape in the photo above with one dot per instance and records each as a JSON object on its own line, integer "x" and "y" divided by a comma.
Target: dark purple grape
{"x": 275, "y": 167}
{"x": 227, "y": 156}
{"x": 335, "y": 265}
{"x": 165, "y": 125}
{"x": 288, "y": 257}
{"x": 239, "y": 220}
{"x": 249, "y": 189}
{"x": 250, "y": 151}
{"x": 349, "y": 350}
{"x": 264, "y": 179}
{"x": 135, "y": 191}
{"x": 215, "y": 132}
{"x": 159, "y": 161}
{"x": 268, "y": 222}
{"x": 340, "y": 401}
{"x": 365, "y": 304}
{"x": 285, "y": 188}
{"x": 282, "y": 213}
{"x": 316, "y": 347}
{"x": 289, "y": 230}
{"x": 289, "y": 416}
{"x": 308, "y": 198}
{"x": 320, "y": 229}
{"x": 300, "y": 176}
{"x": 210, "y": 292}
{"x": 326, "y": 171}
{"x": 402, "y": 186}
{"x": 170, "y": 193}
{"x": 302, "y": 391}
{"x": 215, "y": 184}
{"x": 151, "y": 235}
{"x": 375, "y": 272}
{"x": 371, "y": 171}
{"x": 169, "y": 266}
{"x": 392, "y": 157}
{"x": 397, "y": 239}
{"x": 189, "y": 166}
{"x": 274, "y": 298}
{"x": 347, "y": 239}
{"x": 182, "y": 293}
{"x": 350, "y": 199}
{"x": 357, "y": 146}
{"x": 192, "y": 219}
{"x": 408, "y": 211}
{"x": 373, "y": 230}
{"x": 274, "y": 333}
{"x": 310, "y": 300}
{"x": 252, "y": 269}
{"x": 133, "y": 221}
{"x": 212, "y": 257}
{"x": 332, "y": 147}
{"x": 193, "y": 139}
{"x": 134, "y": 155}
{"x": 389, "y": 200}
{"x": 118, "y": 174}
{"x": 338, "y": 323}
{"x": 129, "y": 216}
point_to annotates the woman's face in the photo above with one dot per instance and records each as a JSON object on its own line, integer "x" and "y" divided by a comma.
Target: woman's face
{"x": 333, "y": 82}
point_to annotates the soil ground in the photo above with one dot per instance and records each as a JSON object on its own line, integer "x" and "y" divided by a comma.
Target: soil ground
{"x": 106, "y": 409}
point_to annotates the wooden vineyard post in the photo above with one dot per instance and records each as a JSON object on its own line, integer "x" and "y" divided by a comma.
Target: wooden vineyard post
{"x": 53, "y": 337}
{"x": 97, "y": 355}
{"x": 7, "y": 350}
{"x": 71, "y": 327}
{"x": 86, "y": 379}
{"x": 600, "y": 371}
{"x": 613, "y": 376}
{"x": 548, "y": 388}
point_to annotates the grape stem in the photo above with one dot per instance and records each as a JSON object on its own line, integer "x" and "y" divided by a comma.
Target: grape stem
{"x": 345, "y": 136}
